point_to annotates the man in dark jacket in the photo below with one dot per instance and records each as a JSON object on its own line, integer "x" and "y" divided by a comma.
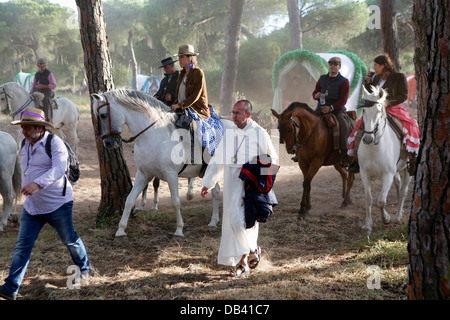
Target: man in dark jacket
{"x": 44, "y": 82}
{"x": 166, "y": 92}
{"x": 332, "y": 91}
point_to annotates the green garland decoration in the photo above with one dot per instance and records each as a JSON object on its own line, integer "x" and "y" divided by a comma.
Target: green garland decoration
{"x": 299, "y": 55}
{"x": 319, "y": 63}
{"x": 360, "y": 67}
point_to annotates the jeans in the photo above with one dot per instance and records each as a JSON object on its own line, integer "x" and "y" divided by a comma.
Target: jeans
{"x": 30, "y": 226}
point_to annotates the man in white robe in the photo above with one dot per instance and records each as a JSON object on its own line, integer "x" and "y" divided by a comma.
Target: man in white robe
{"x": 239, "y": 146}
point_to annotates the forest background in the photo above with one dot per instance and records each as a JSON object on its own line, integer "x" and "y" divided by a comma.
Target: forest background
{"x": 154, "y": 29}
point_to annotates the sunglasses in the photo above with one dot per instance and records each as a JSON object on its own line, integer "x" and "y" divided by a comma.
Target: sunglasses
{"x": 334, "y": 63}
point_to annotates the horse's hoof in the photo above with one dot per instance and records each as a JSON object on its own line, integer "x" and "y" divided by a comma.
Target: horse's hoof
{"x": 189, "y": 196}
{"x": 302, "y": 216}
{"x": 367, "y": 230}
{"x": 212, "y": 224}
{"x": 13, "y": 218}
{"x": 120, "y": 234}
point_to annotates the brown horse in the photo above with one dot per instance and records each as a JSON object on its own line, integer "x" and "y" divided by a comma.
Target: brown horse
{"x": 305, "y": 133}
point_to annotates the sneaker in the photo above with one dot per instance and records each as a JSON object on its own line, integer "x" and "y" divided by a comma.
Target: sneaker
{"x": 5, "y": 294}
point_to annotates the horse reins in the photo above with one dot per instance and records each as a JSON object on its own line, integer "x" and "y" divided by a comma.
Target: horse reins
{"x": 295, "y": 125}
{"x": 13, "y": 114}
{"x": 117, "y": 133}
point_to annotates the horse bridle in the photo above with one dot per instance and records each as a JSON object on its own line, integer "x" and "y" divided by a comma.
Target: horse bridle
{"x": 113, "y": 133}
{"x": 8, "y": 108}
{"x": 297, "y": 126}
{"x": 26, "y": 104}
{"x": 370, "y": 104}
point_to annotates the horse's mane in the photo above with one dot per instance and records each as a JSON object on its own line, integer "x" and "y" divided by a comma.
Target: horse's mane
{"x": 294, "y": 105}
{"x": 139, "y": 101}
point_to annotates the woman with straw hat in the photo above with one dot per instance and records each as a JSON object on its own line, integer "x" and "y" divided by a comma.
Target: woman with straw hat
{"x": 191, "y": 95}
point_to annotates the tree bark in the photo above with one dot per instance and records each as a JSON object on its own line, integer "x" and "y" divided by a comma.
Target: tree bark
{"x": 389, "y": 30}
{"x": 429, "y": 223}
{"x": 231, "y": 59}
{"x": 295, "y": 28}
{"x": 115, "y": 177}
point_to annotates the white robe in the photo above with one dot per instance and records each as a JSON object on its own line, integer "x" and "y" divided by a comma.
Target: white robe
{"x": 246, "y": 143}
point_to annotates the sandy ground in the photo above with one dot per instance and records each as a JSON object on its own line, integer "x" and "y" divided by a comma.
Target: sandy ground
{"x": 343, "y": 225}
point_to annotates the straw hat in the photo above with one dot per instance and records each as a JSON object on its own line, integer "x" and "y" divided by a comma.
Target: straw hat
{"x": 32, "y": 116}
{"x": 187, "y": 50}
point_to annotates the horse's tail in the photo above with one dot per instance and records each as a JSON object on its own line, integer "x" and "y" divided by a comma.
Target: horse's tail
{"x": 17, "y": 178}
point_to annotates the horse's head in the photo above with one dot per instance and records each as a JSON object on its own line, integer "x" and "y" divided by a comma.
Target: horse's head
{"x": 110, "y": 123}
{"x": 5, "y": 100}
{"x": 287, "y": 130}
{"x": 373, "y": 112}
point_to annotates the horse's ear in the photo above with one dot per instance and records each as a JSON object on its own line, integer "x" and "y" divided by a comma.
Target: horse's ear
{"x": 382, "y": 94}
{"x": 276, "y": 114}
{"x": 96, "y": 96}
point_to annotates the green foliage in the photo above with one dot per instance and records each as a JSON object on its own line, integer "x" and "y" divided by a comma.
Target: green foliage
{"x": 39, "y": 28}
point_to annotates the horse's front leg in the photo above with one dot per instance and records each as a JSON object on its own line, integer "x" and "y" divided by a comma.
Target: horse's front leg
{"x": 367, "y": 227}
{"x": 7, "y": 191}
{"x": 216, "y": 201}
{"x": 311, "y": 171}
{"x": 140, "y": 183}
{"x": 387, "y": 180}
{"x": 403, "y": 190}
{"x": 174, "y": 195}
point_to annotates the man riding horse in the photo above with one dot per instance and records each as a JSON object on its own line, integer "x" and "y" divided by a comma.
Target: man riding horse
{"x": 332, "y": 91}
{"x": 44, "y": 82}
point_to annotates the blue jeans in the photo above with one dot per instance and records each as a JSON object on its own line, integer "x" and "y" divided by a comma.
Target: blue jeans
{"x": 30, "y": 226}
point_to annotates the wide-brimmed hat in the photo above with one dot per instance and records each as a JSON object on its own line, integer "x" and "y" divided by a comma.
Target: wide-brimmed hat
{"x": 166, "y": 61}
{"x": 187, "y": 50}
{"x": 32, "y": 116}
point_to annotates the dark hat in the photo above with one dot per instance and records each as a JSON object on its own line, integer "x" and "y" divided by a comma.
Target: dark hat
{"x": 166, "y": 61}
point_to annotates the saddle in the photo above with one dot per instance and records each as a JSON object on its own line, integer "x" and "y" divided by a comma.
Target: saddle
{"x": 38, "y": 98}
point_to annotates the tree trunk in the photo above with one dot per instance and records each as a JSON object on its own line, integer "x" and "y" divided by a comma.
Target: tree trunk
{"x": 389, "y": 30}
{"x": 429, "y": 223}
{"x": 295, "y": 28}
{"x": 134, "y": 65}
{"x": 231, "y": 60}
{"x": 114, "y": 174}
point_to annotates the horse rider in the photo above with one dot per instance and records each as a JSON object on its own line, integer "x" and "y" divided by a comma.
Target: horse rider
{"x": 396, "y": 86}
{"x": 192, "y": 97}
{"x": 44, "y": 82}
{"x": 332, "y": 91}
{"x": 168, "y": 85}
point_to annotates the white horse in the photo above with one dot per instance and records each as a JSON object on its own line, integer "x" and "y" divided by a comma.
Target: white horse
{"x": 156, "y": 146}
{"x": 14, "y": 99}
{"x": 10, "y": 176}
{"x": 380, "y": 156}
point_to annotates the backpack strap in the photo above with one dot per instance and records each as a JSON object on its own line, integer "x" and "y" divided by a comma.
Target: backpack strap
{"x": 48, "y": 150}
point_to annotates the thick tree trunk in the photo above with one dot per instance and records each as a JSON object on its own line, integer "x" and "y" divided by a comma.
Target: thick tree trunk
{"x": 429, "y": 223}
{"x": 389, "y": 30}
{"x": 295, "y": 28}
{"x": 114, "y": 174}
{"x": 231, "y": 60}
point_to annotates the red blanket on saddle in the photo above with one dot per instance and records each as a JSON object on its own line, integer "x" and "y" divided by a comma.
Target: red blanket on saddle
{"x": 411, "y": 134}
